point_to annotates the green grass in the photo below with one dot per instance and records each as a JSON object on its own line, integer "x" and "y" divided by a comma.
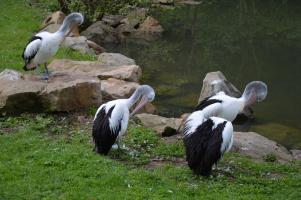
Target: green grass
{"x": 50, "y": 157}
{"x": 18, "y": 22}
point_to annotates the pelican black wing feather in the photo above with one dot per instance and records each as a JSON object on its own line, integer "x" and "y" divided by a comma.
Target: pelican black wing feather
{"x": 203, "y": 147}
{"x": 206, "y": 102}
{"x": 29, "y": 54}
{"x": 102, "y": 134}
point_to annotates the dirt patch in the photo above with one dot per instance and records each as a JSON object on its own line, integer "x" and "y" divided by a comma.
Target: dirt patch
{"x": 172, "y": 139}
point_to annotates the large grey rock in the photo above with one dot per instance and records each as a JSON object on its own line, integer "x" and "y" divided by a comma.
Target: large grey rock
{"x": 96, "y": 69}
{"x": 101, "y": 33}
{"x": 115, "y": 59}
{"x": 135, "y": 17}
{"x": 62, "y": 92}
{"x": 54, "y": 18}
{"x": 259, "y": 147}
{"x": 296, "y": 153}
{"x": 79, "y": 44}
{"x": 67, "y": 92}
{"x": 97, "y": 48}
{"x": 161, "y": 125}
{"x": 149, "y": 30}
{"x": 215, "y": 82}
{"x": 117, "y": 89}
{"x": 112, "y": 20}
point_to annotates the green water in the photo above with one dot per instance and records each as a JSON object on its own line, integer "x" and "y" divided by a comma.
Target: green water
{"x": 246, "y": 40}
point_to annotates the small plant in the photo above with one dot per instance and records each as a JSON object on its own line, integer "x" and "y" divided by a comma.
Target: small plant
{"x": 270, "y": 157}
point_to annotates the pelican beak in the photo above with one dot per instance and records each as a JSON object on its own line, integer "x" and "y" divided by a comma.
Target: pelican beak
{"x": 71, "y": 29}
{"x": 142, "y": 103}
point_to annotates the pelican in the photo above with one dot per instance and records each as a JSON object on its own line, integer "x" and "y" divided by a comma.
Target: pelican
{"x": 43, "y": 46}
{"x": 208, "y": 132}
{"x": 227, "y": 107}
{"x": 111, "y": 119}
{"x": 206, "y": 140}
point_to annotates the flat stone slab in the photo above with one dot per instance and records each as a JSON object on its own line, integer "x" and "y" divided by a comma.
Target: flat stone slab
{"x": 117, "y": 89}
{"x": 258, "y": 147}
{"x": 161, "y": 125}
{"x": 97, "y": 69}
{"x": 62, "y": 92}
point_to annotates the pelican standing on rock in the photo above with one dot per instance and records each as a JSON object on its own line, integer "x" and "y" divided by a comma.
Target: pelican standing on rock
{"x": 208, "y": 132}
{"x": 111, "y": 119}
{"x": 44, "y": 45}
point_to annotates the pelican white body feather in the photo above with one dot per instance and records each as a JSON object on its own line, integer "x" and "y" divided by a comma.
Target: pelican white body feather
{"x": 206, "y": 140}
{"x": 111, "y": 119}
{"x": 228, "y": 107}
{"x": 44, "y": 45}
{"x": 43, "y": 49}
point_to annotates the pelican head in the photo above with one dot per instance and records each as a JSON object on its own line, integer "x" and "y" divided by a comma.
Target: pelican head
{"x": 146, "y": 93}
{"x": 255, "y": 91}
{"x": 72, "y": 20}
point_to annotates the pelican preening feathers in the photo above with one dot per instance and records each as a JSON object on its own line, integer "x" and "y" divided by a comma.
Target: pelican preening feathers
{"x": 44, "y": 45}
{"x": 111, "y": 119}
{"x": 208, "y": 132}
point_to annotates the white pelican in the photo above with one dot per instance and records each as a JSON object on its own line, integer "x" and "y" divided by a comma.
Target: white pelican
{"x": 111, "y": 119}
{"x": 208, "y": 132}
{"x": 44, "y": 45}
{"x": 206, "y": 140}
{"x": 224, "y": 106}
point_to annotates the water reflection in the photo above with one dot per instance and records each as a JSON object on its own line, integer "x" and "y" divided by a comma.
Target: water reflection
{"x": 246, "y": 40}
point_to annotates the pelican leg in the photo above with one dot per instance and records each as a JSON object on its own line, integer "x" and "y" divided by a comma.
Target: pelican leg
{"x": 46, "y": 73}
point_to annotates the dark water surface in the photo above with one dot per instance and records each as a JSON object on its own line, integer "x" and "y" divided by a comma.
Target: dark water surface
{"x": 246, "y": 40}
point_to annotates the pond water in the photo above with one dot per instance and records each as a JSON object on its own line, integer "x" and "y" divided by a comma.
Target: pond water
{"x": 246, "y": 40}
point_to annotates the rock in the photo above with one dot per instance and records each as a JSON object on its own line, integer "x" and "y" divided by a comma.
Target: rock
{"x": 97, "y": 48}
{"x": 296, "y": 153}
{"x": 135, "y": 17}
{"x": 9, "y": 74}
{"x": 112, "y": 20}
{"x": 163, "y": 2}
{"x": 101, "y": 33}
{"x": 17, "y": 96}
{"x": 115, "y": 59}
{"x": 215, "y": 82}
{"x": 68, "y": 92}
{"x": 149, "y": 30}
{"x": 51, "y": 28}
{"x": 117, "y": 89}
{"x": 79, "y": 44}
{"x": 127, "y": 73}
{"x": 125, "y": 31}
{"x": 53, "y": 22}
{"x": 258, "y": 147}
{"x": 148, "y": 108}
{"x": 62, "y": 92}
{"x": 54, "y": 18}
{"x": 161, "y": 125}
{"x": 96, "y": 69}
